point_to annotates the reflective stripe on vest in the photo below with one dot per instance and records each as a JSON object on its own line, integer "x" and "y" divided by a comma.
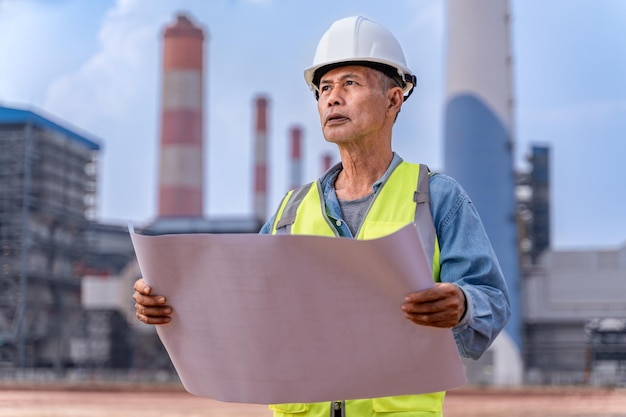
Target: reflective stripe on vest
{"x": 402, "y": 199}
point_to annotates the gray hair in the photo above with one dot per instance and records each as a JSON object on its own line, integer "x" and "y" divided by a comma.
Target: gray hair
{"x": 386, "y": 83}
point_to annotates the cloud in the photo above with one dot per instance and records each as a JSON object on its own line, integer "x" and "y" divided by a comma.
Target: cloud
{"x": 107, "y": 84}
{"x": 113, "y": 94}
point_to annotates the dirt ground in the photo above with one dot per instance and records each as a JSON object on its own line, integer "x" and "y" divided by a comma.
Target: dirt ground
{"x": 467, "y": 402}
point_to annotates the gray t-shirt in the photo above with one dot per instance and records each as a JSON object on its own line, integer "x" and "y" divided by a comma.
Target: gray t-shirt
{"x": 354, "y": 211}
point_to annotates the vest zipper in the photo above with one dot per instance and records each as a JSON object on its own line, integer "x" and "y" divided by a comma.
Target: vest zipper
{"x": 338, "y": 409}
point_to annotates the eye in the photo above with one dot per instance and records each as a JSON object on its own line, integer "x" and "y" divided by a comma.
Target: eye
{"x": 350, "y": 82}
{"x": 324, "y": 88}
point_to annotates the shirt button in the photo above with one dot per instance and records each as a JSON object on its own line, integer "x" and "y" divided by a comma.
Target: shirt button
{"x": 338, "y": 222}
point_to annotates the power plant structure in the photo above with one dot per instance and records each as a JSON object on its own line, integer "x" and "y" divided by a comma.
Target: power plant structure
{"x": 261, "y": 104}
{"x": 479, "y": 144}
{"x": 295, "y": 157}
{"x": 555, "y": 335}
{"x": 327, "y": 162}
{"x": 181, "y": 169}
{"x": 66, "y": 279}
{"x": 182, "y": 140}
{"x": 48, "y": 185}
{"x": 573, "y": 301}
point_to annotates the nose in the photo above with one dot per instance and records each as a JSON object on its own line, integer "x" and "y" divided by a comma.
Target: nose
{"x": 334, "y": 96}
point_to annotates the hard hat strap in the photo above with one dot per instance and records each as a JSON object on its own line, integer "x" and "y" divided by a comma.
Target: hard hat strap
{"x": 410, "y": 78}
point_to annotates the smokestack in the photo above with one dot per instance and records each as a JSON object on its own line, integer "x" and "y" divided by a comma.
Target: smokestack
{"x": 327, "y": 161}
{"x": 479, "y": 136}
{"x": 295, "y": 159}
{"x": 181, "y": 166}
{"x": 260, "y": 159}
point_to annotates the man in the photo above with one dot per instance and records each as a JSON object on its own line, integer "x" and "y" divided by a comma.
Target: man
{"x": 360, "y": 80}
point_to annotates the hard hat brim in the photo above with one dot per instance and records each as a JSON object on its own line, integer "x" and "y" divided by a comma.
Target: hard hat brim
{"x": 402, "y": 76}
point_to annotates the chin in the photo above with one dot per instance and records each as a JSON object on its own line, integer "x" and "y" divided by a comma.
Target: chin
{"x": 336, "y": 137}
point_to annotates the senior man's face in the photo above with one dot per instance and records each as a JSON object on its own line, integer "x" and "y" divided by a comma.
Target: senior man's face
{"x": 351, "y": 105}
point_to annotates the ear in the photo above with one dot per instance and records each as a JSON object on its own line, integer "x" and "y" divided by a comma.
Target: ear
{"x": 395, "y": 98}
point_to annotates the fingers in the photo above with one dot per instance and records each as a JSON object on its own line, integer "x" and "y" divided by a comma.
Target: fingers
{"x": 442, "y": 319}
{"x": 141, "y": 287}
{"x": 149, "y": 300}
{"x": 150, "y": 309}
{"x": 153, "y": 315}
{"x": 440, "y": 306}
{"x": 438, "y": 292}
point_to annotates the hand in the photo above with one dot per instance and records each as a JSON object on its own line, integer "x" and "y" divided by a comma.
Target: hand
{"x": 150, "y": 309}
{"x": 441, "y": 306}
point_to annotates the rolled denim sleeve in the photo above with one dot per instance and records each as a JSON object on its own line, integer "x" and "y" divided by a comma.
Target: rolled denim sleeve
{"x": 468, "y": 260}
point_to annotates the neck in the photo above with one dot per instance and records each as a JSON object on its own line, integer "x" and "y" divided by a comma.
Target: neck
{"x": 360, "y": 171}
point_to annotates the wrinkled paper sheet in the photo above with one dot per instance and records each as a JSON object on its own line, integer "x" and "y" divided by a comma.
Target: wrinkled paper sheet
{"x": 275, "y": 319}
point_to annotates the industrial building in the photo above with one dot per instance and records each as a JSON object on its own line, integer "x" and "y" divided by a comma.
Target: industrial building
{"x": 48, "y": 184}
{"x": 573, "y": 301}
{"x": 575, "y": 318}
{"x": 65, "y": 279}
{"x": 560, "y": 300}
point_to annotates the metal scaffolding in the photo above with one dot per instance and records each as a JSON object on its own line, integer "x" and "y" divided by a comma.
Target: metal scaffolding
{"x": 47, "y": 199}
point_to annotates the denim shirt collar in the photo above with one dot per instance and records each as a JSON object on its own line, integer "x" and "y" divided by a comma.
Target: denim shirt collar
{"x": 327, "y": 183}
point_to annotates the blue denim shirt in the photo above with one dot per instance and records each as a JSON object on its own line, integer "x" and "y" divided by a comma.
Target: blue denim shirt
{"x": 467, "y": 258}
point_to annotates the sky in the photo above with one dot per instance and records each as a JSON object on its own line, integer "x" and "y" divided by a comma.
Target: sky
{"x": 94, "y": 66}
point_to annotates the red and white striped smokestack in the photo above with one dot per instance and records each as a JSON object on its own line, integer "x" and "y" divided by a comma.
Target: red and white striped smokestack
{"x": 181, "y": 167}
{"x": 327, "y": 161}
{"x": 295, "y": 157}
{"x": 260, "y": 159}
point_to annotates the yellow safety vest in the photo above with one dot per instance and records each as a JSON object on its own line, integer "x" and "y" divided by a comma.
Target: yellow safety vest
{"x": 402, "y": 199}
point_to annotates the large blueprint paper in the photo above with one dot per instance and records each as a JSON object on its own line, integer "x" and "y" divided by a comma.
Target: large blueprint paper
{"x": 275, "y": 319}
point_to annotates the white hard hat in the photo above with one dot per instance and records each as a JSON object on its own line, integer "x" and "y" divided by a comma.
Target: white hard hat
{"x": 360, "y": 41}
